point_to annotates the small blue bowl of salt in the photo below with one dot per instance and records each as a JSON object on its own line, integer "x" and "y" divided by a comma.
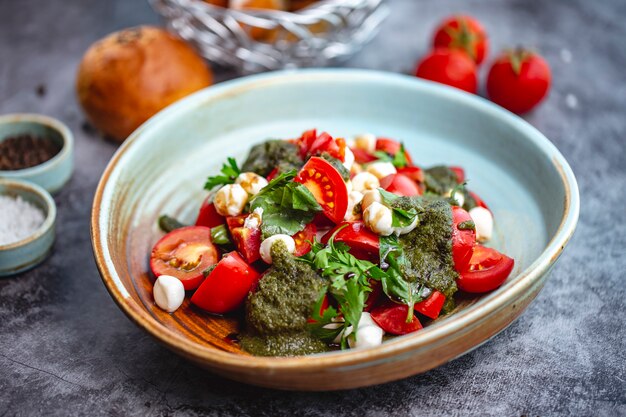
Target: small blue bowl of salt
{"x": 27, "y": 221}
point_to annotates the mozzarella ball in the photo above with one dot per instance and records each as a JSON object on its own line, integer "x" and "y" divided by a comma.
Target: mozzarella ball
{"x": 483, "y": 219}
{"x": 251, "y": 182}
{"x": 378, "y": 218}
{"x": 365, "y": 181}
{"x": 365, "y": 141}
{"x": 348, "y": 159}
{"x": 458, "y": 196}
{"x": 381, "y": 169}
{"x": 354, "y": 198}
{"x": 266, "y": 246}
{"x": 356, "y": 169}
{"x": 168, "y": 293}
{"x": 253, "y": 221}
{"x": 366, "y": 337}
{"x": 230, "y": 200}
{"x": 369, "y": 197}
{"x": 406, "y": 229}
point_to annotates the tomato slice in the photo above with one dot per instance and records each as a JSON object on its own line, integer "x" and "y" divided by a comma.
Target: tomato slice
{"x": 304, "y": 238}
{"x": 184, "y": 253}
{"x": 357, "y": 236}
{"x": 431, "y": 307}
{"x": 391, "y": 147}
{"x": 326, "y": 143}
{"x": 463, "y": 240}
{"x": 273, "y": 174}
{"x": 247, "y": 240}
{"x": 225, "y": 288}
{"x": 305, "y": 142}
{"x": 362, "y": 156}
{"x": 413, "y": 172}
{"x": 400, "y": 184}
{"x": 479, "y": 201}
{"x": 374, "y": 295}
{"x": 487, "y": 270}
{"x": 459, "y": 172}
{"x": 391, "y": 318}
{"x": 326, "y": 184}
{"x": 208, "y": 215}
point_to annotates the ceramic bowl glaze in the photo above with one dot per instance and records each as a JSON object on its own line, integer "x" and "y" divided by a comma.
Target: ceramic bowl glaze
{"x": 161, "y": 168}
{"x": 54, "y": 173}
{"x": 26, "y": 253}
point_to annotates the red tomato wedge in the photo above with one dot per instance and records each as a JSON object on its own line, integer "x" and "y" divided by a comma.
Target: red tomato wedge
{"x": 400, "y": 184}
{"x": 327, "y": 186}
{"x": 305, "y": 142}
{"x": 247, "y": 240}
{"x": 391, "y": 318}
{"x": 391, "y": 147}
{"x": 310, "y": 143}
{"x": 357, "y": 236}
{"x": 208, "y": 215}
{"x": 479, "y": 201}
{"x": 225, "y": 288}
{"x": 304, "y": 238}
{"x": 463, "y": 240}
{"x": 362, "y": 156}
{"x": 431, "y": 307}
{"x": 413, "y": 172}
{"x": 184, "y": 253}
{"x": 374, "y": 295}
{"x": 459, "y": 172}
{"x": 273, "y": 174}
{"x": 487, "y": 270}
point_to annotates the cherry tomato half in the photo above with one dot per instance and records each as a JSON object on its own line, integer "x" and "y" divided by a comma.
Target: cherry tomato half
{"x": 362, "y": 156}
{"x": 464, "y": 33}
{"x": 208, "y": 215}
{"x": 400, "y": 184}
{"x": 391, "y": 318}
{"x": 487, "y": 270}
{"x": 431, "y": 307}
{"x": 184, "y": 253}
{"x": 459, "y": 172}
{"x": 391, "y": 147}
{"x": 304, "y": 238}
{"x": 327, "y": 186}
{"x": 226, "y": 286}
{"x": 311, "y": 144}
{"x": 450, "y": 67}
{"x": 247, "y": 240}
{"x": 463, "y": 240}
{"x": 357, "y": 236}
{"x": 479, "y": 201}
{"x": 413, "y": 172}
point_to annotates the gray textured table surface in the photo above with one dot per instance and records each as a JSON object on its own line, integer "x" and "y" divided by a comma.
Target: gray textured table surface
{"x": 65, "y": 348}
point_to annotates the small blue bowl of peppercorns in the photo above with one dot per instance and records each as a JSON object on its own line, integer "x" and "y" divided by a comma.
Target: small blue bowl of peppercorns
{"x": 36, "y": 148}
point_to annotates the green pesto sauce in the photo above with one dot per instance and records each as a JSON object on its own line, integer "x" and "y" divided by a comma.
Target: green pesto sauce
{"x": 439, "y": 179}
{"x": 428, "y": 248}
{"x": 277, "y": 312}
{"x": 338, "y": 165}
{"x": 275, "y": 153}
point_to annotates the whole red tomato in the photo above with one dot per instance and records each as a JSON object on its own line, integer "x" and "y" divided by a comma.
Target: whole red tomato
{"x": 464, "y": 33}
{"x": 449, "y": 66}
{"x": 518, "y": 80}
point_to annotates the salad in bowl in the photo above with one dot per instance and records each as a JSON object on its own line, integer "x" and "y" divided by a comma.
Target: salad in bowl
{"x": 319, "y": 244}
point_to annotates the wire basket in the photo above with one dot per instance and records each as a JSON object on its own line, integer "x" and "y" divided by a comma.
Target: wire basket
{"x": 260, "y": 40}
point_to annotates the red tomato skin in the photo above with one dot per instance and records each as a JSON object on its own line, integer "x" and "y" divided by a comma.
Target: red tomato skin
{"x": 391, "y": 318}
{"x": 400, "y": 184}
{"x": 247, "y": 240}
{"x": 303, "y": 239}
{"x": 361, "y": 156}
{"x": 323, "y": 308}
{"x": 190, "y": 279}
{"x": 487, "y": 271}
{"x": 479, "y": 201}
{"x": 448, "y": 35}
{"x": 208, "y": 215}
{"x": 463, "y": 241}
{"x": 226, "y": 286}
{"x": 273, "y": 174}
{"x": 391, "y": 147}
{"x": 356, "y": 235}
{"x": 431, "y": 307}
{"x": 374, "y": 296}
{"x": 520, "y": 92}
{"x": 334, "y": 199}
{"x": 459, "y": 172}
{"x": 451, "y": 67}
{"x": 413, "y": 172}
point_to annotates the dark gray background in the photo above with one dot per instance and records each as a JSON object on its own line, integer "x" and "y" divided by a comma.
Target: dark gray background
{"x": 65, "y": 348}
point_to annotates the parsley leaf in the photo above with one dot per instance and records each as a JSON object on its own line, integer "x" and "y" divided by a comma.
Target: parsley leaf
{"x": 287, "y": 206}
{"x": 322, "y": 325}
{"x": 230, "y": 172}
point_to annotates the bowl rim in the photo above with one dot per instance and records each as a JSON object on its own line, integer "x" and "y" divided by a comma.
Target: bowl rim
{"x": 50, "y": 122}
{"x": 488, "y": 304}
{"x": 51, "y": 214}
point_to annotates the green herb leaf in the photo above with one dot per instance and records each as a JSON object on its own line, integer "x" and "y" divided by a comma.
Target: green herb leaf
{"x": 400, "y": 217}
{"x": 399, "y": 159}
{"x": 287, "y": 206}
{"x": 319, "y": 327}
{"x": 230, "y": 172}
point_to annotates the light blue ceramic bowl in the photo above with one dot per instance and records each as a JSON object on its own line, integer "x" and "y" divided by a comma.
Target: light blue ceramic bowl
{"x": 26, "y": 253}
{"x": 54, "y": 173}
{"x": 161, "y": 168}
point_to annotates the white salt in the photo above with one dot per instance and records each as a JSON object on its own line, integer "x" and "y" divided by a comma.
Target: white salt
{"x": 18, "y": 219}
